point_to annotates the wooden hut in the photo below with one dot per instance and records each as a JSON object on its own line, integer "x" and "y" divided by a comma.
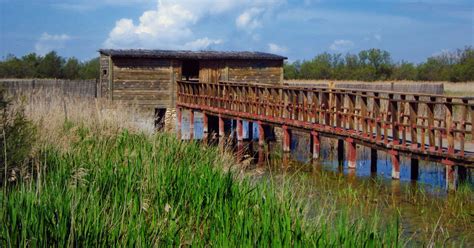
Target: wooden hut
{"x": 148, "y": 77}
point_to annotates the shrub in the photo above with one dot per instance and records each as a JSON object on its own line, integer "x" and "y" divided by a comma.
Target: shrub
{"x": 17, "y": 138}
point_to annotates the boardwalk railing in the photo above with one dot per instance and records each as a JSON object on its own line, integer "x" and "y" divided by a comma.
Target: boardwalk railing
{"x": 425, "y": 125}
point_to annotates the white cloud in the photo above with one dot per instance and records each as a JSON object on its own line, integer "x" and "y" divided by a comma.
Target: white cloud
{"x": 170, "y": 24}
{"x": 49, "y": 42}
{"x": 202, "y": 43}
{"x": 274, "y": 48}
{"x": 341, "y": 45}
{"x": 249, "y": 19}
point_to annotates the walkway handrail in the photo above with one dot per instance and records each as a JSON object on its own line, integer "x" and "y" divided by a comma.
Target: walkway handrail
{"x": 419, "y": 123}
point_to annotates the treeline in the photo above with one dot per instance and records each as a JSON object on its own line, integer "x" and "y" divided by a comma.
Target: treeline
{"x": 376, "y": 64}
{"x": 50, "y": 65}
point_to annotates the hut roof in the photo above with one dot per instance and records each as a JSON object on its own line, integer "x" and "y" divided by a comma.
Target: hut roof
{"x": 181, "y": 54}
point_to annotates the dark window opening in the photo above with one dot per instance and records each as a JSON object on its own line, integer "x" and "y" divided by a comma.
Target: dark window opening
{"x": 160, "y": 119}
{"x": 190, "y": 70}
{"x": 104, "y": 72}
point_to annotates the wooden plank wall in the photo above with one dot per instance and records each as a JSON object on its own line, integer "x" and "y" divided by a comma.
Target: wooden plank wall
{"x": 255, "y": 71}
{"x": 211, "y": 71}
{"x": 76, "y": 88}
{"x": 143, "y": 81}
{"x": 104, "y": 76}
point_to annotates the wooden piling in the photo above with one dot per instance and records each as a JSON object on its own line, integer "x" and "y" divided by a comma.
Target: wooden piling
{"x": 451, "y": 175}
{"x": 315, "y": 145}
{"x": 414, "y": 169}
{"x": 261, "y": 134}
{"x": 340, "y": 151}
{"x": 286, "y": 139}
{"x": 179, "y": 117}
{"x": 221, "y": 127}
{"x": 395, "y": 164}
{"x": 191, "y": 124}
{"x": 351, "y": 153}
{"x": 205, "y": 127}
{"x": 373, "y": 160}
{"x": 240, "y": 130}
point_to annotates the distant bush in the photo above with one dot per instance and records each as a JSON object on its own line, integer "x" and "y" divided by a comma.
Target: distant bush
{"x": 17, "y": 138}
{"x": 376, "y": 64}
{"x": 49, "y": 66}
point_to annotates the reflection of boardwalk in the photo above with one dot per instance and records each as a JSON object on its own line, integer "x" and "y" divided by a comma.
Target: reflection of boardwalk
{"x": 428, "y": 127}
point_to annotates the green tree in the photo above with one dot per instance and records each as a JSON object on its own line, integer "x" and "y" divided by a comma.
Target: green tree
{"x": 51, "y": 66}
{"x": 11, "y": 67}
{"x": 72, "y": 68}
{"x": 90, "y": 69}
{"x": 405, "y": 71}
{"x": 30, "y": 63}
{"x": 290, "y": 71}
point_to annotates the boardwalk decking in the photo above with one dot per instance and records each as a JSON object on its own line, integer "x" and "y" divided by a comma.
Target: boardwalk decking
{"x": 422, "y": 126}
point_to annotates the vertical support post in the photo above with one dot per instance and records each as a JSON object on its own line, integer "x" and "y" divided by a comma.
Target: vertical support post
{"x": 338, "y": 111}
{"x": 414, "y": 169}
{"x": 261, "y": 134}
{"x": 179, "y": 115}
{"x": 325, "y": 108}
{"x": 462, "y": 134}
{"x": 376, "y": 117}
{"x": 250, "y": 131}
{"x": 373, "y": 160}
{"x": 431, "y": 127}
{"x": 351, "y": 111}
{"x": 472, "y": 122}
{"x": 261, "y": 156}
{"x": 451, "y": 175}
{"x": 221, "y": 127}
{"x": 462, "y": 174}
{"x": 315, "y": 104}
{"x": 363, "y": 115}
{"x": 191, "y": 124}
{"x": 316, "y": 147}
{"x": 414, "y": 122}
{"x": 205, "y": 127}
{"x": 340, "y": 151}
{"x": 394, "y": 119}
{"x": 395, "y": 164}
{"x": 449, "y": 125}
{"x": 286, "y": 139}
{"x": 240, "y": 130}
{"x": 351, "y": 153}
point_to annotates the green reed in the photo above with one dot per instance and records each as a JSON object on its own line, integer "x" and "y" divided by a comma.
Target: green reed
{"x": 134, "y": 190}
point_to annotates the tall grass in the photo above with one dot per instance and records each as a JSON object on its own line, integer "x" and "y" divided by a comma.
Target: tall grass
{"x": 132, "y": 189}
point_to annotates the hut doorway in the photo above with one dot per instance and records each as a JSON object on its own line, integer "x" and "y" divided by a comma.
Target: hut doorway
{"x": 190, "y": 70}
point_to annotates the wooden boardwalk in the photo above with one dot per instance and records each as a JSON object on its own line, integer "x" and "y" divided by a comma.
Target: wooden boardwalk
{"x": 422, "y": 126}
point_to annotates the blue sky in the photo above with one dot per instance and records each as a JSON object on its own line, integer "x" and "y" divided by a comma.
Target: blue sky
{"x": 411, "y": 30}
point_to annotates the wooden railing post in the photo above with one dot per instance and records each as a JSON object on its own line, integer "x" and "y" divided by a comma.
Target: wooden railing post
{"x": 315, "y": 106}
{"x": 462, "y": 134}
{"x": 377, "y": 118}
{"x": 337, "y": 109}
{"x": 414, "y": 122}
{"x": 363, "y": 115}
{"x": 351, "y": 115}
{"x": 393, "y": 106}
{"x": 449, "y": 124}
{"x": 431, "y": 127}
{"x": 325, "y": 108}
{"x": 401, "y": 121}
{"x": 472, "y": 122}
{"x": 305, "y": 105}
